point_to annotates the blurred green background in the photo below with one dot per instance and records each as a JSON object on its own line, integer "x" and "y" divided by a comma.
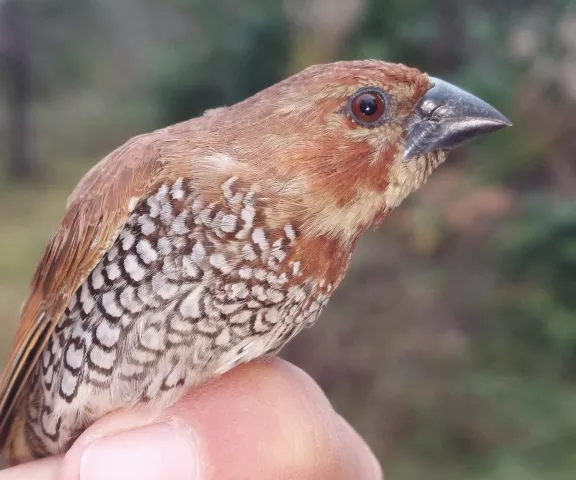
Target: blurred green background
{"x": 451, "y": 345}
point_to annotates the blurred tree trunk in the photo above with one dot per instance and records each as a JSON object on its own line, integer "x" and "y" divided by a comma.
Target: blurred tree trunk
{"x": 14, "y": 53}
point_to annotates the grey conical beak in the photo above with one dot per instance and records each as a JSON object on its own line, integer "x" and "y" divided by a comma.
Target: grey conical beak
{"x": 447, "y": 117}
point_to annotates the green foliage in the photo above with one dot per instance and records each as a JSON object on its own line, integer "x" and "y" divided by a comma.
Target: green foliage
{"x": 523, "y": 365}
{"x": 240, "y": 56}
{"x": 58, "y": 62}
{"x": 536, "y": 302}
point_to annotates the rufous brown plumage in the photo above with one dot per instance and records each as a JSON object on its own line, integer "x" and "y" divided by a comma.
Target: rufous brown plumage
{"x": 212, "y": 242}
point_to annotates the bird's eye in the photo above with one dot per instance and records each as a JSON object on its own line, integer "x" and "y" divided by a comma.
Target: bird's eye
{"x": 368, "y": 107}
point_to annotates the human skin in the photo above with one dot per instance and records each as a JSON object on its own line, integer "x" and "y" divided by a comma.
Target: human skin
{"x": 266, "y": 420}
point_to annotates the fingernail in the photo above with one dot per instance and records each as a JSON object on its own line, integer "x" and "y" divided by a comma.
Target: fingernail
{"x": 45, "y": 469}
{"x": 157, "y": 452}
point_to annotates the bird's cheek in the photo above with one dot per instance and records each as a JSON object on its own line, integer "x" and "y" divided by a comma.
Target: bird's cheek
{"x": 385, "y": 155}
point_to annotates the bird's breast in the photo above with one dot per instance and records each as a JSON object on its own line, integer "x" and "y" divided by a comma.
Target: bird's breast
{"x": 189, "y": 289}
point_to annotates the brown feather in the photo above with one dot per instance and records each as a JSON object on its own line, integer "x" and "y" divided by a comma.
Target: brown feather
{"x": 97, "y": 210}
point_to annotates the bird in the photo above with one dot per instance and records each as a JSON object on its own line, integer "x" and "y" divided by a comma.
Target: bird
{"x": 213, "y": 242}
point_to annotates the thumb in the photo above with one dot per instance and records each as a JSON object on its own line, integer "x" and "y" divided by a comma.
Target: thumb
{"x": 265, "y": 420}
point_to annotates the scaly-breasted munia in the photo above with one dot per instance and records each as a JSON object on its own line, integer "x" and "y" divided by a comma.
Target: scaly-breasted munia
{"x": 212, "y": 242}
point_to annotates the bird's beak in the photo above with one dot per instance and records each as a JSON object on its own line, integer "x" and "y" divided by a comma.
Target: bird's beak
{"x": 447, "y": 117}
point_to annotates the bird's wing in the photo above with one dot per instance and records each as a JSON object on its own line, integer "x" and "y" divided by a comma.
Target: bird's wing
{"x": 96, "y": 212}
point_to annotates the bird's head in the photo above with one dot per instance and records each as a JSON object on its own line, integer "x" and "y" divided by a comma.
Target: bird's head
{"x": 346, "y": 142}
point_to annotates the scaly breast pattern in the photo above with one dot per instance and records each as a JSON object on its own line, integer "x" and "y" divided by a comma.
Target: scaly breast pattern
{"x": 188, "y": 290}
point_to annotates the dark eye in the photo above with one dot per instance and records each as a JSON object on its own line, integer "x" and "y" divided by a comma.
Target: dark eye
{"x": 368, "y": 107}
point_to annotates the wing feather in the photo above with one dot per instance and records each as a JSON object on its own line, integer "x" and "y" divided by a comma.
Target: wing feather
{"x": 96, "y": 212}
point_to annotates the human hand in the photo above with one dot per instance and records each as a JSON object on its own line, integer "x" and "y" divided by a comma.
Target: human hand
{"x": 265, "y": 420}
